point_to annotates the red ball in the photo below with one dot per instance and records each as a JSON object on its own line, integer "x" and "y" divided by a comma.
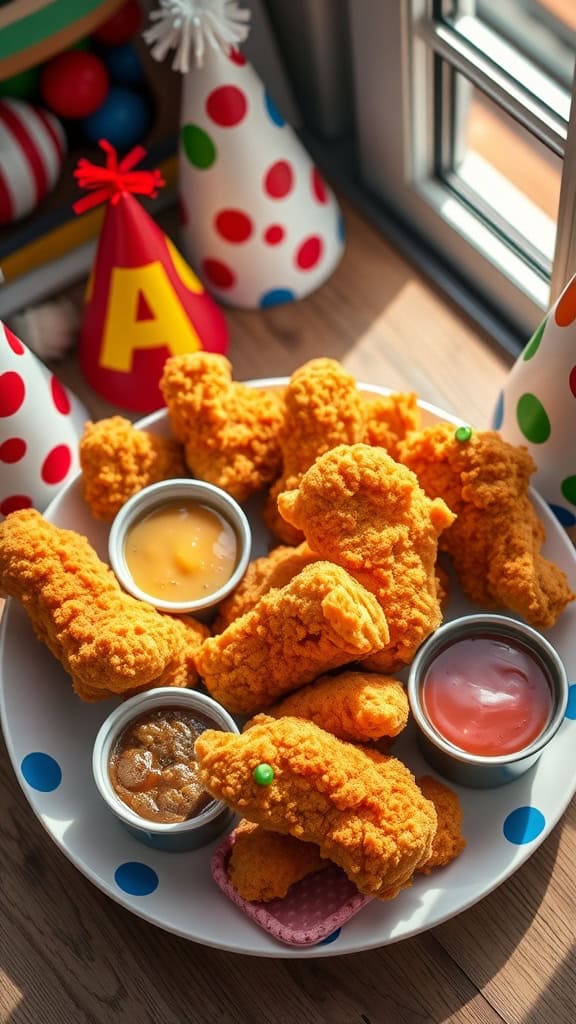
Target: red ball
{"x": 74, "y": 84}
{"x": 121, "y": 27}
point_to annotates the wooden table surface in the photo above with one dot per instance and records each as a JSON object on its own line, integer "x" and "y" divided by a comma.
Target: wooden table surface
{"x": 70, "y": 955}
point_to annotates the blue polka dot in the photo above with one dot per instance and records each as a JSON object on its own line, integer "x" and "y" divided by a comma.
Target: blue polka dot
{"x": 341, "y": 231}
{"x": 272, "y": 110}
{"x": 498, "y": 417}
{"x": 135, "y": 878}
{"x": 571, "y": 706}
{"x": 563, "y": 515}
{"x": 330, "y": 938}
{"x": 523, "y": 825}
{"x": 41, "y": 772}
{"x": 276, "y": 297}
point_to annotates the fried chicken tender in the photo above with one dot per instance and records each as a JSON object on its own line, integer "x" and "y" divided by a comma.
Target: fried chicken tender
{"x": 118, "y": 460}
{"x": 263, "y": 865}
{"x": 388, "y": 418}
{"x": 275, "y": 569}
{"x": 370, "y": 819}
{"x": 496, "y": 538}
{"x": 354, "y": 706}
{"x": 322, "y": 408}
{"x": 448, "y": 842}
{"x": 364, "y": 511}
{"x": 107, "y": 641}
{"x": 321, "y": 620}
{"x": 229, "y": 430}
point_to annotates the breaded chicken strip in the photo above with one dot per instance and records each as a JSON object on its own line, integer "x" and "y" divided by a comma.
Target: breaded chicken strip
{"x": 322, "y": 408}
{"x": 320, "y": 620}
{"x": 354, "y": 706}
{"x": 118, "y": 460}
{"x": 275, "y": 569}
{"x": 496, "y": 538}
{"x": 364, "y": 511}
{"x": 229, "y": 430}
{"x": 371, "y": 820}
{"x": 108, "y": 642}
{"x": 264, "y": 864}
{"x": 388, "y": 418}
{"x": 448, "y": 842}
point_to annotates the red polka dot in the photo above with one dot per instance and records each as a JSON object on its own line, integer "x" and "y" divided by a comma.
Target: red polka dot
{"x": 226, "y": 105}
{"x": 274, "y": 234}
{"x": 218, "y": 273}
{"x": 14, "y": 502}
{"x": 12, "y": 450}
{"x": 279, "y": 180}
{"x": 12, "y": 393}
{"x": 319, "y": 190}
{"x": 14, "y": 342}
{"x": 237, "y": 58}
{"x": 309, "y": 253}
{"x": 59, "y": 396}
{"x": 233, "y": 225}
{"x": 56, "y": 464}
{"x": 572, "y": 381}
{"x": 566, "y": 309}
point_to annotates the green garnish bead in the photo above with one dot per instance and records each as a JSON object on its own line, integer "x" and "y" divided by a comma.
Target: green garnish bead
{"x": 463, "y": 434}
{"x": 263, "y": 774}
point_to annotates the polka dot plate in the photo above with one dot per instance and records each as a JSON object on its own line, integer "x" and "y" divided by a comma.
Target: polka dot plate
{"x": 49, "y": 734}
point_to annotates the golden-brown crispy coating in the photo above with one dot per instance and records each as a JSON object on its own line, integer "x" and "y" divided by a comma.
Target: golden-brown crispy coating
{"x": 370, "y": 819}
{"x": 264, "y": 864}
{"x": 107, "y": 641}
{"x": 364, "y": 511}
{"x": 448, "y": 842}
{"x": 388, "y": 418}
{"x": 321, "y": 620}
{"x": 118, "y": 460}
{"x": 229, "y": 430}
{"x": 354, "y": 706}
{"x": 496, "y": 538}
{"x": 322, "y": 408}
{"x": 275, "y": 569}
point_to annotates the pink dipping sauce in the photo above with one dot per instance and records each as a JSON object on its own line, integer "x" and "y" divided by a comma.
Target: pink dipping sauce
{"x": 487, "y": 696}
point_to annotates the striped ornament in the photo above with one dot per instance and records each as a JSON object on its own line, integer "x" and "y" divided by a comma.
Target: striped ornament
{"x": 32, "y": 151}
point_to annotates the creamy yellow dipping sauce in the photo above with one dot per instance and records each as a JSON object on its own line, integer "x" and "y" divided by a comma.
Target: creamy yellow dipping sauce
{"x": 181, "y": 551}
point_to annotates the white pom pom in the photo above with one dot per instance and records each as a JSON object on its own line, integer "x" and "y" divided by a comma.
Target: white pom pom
{"x": 50, "y": 329}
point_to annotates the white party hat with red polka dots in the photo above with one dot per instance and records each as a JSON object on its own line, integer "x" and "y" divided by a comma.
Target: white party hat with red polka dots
{"x": 259, "y": 224}
{"x": 537, "y": 407}
{"x": 41, "y": 423}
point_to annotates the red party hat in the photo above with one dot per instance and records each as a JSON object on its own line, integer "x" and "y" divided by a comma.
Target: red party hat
{"x": 143, "y": 302}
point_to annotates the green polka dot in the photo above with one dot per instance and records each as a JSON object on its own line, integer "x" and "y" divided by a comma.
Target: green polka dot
{"x": 263, "y": 774}
{"x": 198, "y": 146}
{"x": 463, "y": 434}
{"x": 533, "y": 419}
{"x": 568, "y": 488}
{"x": 534, "y": 343}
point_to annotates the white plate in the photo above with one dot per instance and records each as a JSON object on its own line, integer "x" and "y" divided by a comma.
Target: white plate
{"x": 41, "y": 715}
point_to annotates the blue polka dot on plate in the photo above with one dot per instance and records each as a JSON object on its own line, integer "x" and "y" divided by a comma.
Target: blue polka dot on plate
{"x": 498, "y": 416}
{"x": 571, "y": 706}
{"x": 276, "y": 296}
{"x": 272, "y": 110}
{"x": 523, "y": 825}
{"x": 564, "y": 516}
{"x": 135, "y": 878}
{"x": 41, "y": 771}
{"x": 330, "y": 938}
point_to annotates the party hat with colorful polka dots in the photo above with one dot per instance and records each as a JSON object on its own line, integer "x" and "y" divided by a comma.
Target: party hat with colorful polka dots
{"x": 41, "y": 423}
{"x": 537, "y": 407}
{"x": 260, "y": 225}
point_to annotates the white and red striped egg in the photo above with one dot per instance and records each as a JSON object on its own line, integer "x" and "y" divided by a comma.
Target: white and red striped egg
{"x": 32, "y": 151}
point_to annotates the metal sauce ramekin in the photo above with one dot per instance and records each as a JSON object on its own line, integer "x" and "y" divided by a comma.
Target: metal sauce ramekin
{"x": 163, "y": 493}
{"x": 458, "y": 765}
{"x": 182, "y": 835}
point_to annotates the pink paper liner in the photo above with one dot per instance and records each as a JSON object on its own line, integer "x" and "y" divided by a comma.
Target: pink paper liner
{"x": 313, "y": 909}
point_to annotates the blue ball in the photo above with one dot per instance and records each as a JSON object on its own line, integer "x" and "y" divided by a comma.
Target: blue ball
{"x": 123, "y": 119}
{"x": 123, "y": 64}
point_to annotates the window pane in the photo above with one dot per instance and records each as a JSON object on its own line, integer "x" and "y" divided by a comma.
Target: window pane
{"x": 508, "y": 176}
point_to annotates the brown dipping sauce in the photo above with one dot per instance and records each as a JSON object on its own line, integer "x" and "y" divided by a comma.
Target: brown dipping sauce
{"x": 152, "y": 765}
